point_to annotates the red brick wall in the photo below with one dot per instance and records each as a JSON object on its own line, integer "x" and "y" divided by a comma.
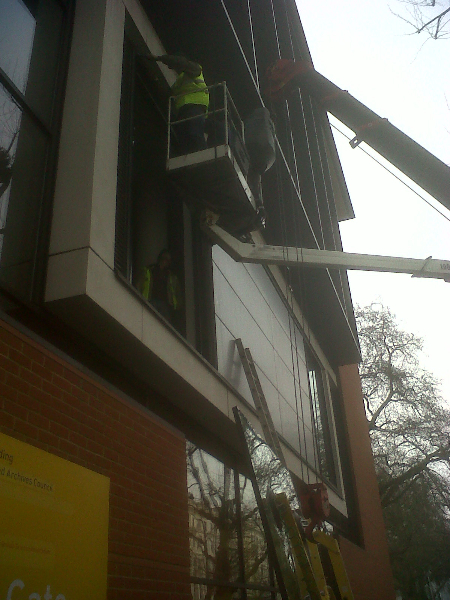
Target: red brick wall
{"x": 50, "y": 404}
{"x": 369, "y": 569}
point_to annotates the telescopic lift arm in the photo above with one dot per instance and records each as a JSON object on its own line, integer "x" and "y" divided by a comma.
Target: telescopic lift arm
{"x": 399, "y": 149}
{"x": 290, "y": 256}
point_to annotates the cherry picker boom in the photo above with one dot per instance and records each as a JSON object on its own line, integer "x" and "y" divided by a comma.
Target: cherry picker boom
{"x": 290, "y": 256}
{"x": 231, "y": 205}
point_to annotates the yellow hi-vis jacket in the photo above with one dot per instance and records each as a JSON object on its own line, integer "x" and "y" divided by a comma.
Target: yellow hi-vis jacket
{"x": 190, "y": 90}
{"x": 173, "y": 288}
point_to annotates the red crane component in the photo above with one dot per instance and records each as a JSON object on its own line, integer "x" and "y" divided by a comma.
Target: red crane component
{"x": 315, "y": 506}
{"x": 284, "y": 75}
{"x": 337, "y": 95}
{"x": 429, "y": 172}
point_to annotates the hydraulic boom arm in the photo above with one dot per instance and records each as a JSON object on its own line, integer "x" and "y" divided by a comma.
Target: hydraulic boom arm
{"x": 288, "y": 256}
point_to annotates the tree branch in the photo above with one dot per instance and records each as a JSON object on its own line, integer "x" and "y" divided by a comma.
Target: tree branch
{"x": 437, "y": 18}
{"x": 388, "y": 488}
{"x": 376, "y": 414}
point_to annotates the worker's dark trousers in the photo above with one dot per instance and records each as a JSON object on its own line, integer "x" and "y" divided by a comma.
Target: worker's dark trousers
{"x": 190, "y": 134}
{"x": 162, "y": 307}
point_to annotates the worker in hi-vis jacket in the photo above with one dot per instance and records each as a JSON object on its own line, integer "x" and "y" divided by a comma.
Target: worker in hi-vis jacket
{"x": 161, "y": 287}
{"x": 191, "y": 101}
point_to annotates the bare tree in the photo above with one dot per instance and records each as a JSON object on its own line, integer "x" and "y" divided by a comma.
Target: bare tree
{"x": 408, "y": 422}
{"x": 409, "y": 426}
{"x": 427, "y": 16}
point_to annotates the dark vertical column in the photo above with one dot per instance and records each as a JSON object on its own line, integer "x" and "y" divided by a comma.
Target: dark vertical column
{"x": 205, "y": 316}
{"x": 122, "y": 250}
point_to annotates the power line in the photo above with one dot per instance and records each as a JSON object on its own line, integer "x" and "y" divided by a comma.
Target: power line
{"x": 393, "y": 174}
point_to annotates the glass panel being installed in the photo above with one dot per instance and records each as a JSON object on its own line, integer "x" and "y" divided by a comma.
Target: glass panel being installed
{"x": 271, "y": 479}
{"x": 254, "y": 540}
{"x": 212, "y": 518}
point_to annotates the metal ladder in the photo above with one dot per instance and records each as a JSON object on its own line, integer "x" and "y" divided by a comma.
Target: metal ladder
{"x": 260, "y": 401}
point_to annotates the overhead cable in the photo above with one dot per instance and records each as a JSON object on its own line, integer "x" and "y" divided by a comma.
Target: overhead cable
{"x": 393, "y": 174}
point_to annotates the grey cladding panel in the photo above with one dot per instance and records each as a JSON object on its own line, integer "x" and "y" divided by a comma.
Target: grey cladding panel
{"x": 249, "y": 307}
{"x": 229, "y": 363}
{"x": 289, "y": 429}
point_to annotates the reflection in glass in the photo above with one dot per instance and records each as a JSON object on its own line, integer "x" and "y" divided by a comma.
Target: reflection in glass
{"x": 17, "y": 27}
{"x": 201, "y": 592}
{"x": 10, "y": 116}
{"x": 254, "y": 540}
{"x": 20, "y": 204}
{"x": 30, "y": 35}
{"x": 270, "y": 473}
{"x": 270, "y": 477}
{"x": 212, "y": 517}
{"x": 229, "y": 555}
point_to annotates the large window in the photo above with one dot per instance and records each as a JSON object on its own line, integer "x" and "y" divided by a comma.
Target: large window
{"x": 229, "y": 557}
{"x": 323, "y": 440}
{"x": 151, "y": 216}
{"x": 30, "y": 52}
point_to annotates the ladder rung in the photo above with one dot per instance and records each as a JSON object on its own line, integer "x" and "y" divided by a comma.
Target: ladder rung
{"x": 259, "y": 399}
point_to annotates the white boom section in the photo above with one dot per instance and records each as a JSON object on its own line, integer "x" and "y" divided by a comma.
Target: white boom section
{"x": 332, "y": 259}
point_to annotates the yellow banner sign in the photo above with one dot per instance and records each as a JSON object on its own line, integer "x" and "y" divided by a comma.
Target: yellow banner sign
{"x": 53, "y": 526}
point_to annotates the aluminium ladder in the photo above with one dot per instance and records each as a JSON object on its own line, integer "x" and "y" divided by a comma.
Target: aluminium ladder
{"x": 260, "y": 401}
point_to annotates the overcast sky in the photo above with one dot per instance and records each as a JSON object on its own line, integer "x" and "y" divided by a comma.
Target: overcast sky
{"x": 363, "y": 48}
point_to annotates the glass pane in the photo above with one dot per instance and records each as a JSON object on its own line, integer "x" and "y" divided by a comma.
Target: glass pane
{"x": 149, "y": 216}
{"x": 20, "y": 202}
{"x": 210, "y": 592}
{"x": 10, "y": 117}
{"x": 29, "y": 45}
{"x": 321, "y": 429}
{"x": 40, "y": 88}
{"x": 262, "y": 595}
{"x": 212, "y": 518}
{"x": 17, "y": 27}
{"x": 270, "y": 479}
{"x": 255, "y": 545}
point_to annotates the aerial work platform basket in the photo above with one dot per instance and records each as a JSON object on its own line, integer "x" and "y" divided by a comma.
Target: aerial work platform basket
{"x": 215, "y": 177}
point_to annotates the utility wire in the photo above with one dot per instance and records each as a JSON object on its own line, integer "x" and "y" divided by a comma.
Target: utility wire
{"x": 393, "y": 174}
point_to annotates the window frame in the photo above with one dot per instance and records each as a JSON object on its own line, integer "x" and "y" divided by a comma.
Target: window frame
{"x": 325, "y": 409}
{"x": 51, "y": 131}
{"x": 199, "y": 316}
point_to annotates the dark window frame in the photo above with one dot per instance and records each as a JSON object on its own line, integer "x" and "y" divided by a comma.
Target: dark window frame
{"x": 329, "y": 470}
{"x": 51, "y": 131}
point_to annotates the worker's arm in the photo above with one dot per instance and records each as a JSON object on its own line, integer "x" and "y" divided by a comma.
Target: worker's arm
{"x": 179, "y": 63}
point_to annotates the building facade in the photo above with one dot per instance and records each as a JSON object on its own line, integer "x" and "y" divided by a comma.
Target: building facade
{"x": 92, "y": 372}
